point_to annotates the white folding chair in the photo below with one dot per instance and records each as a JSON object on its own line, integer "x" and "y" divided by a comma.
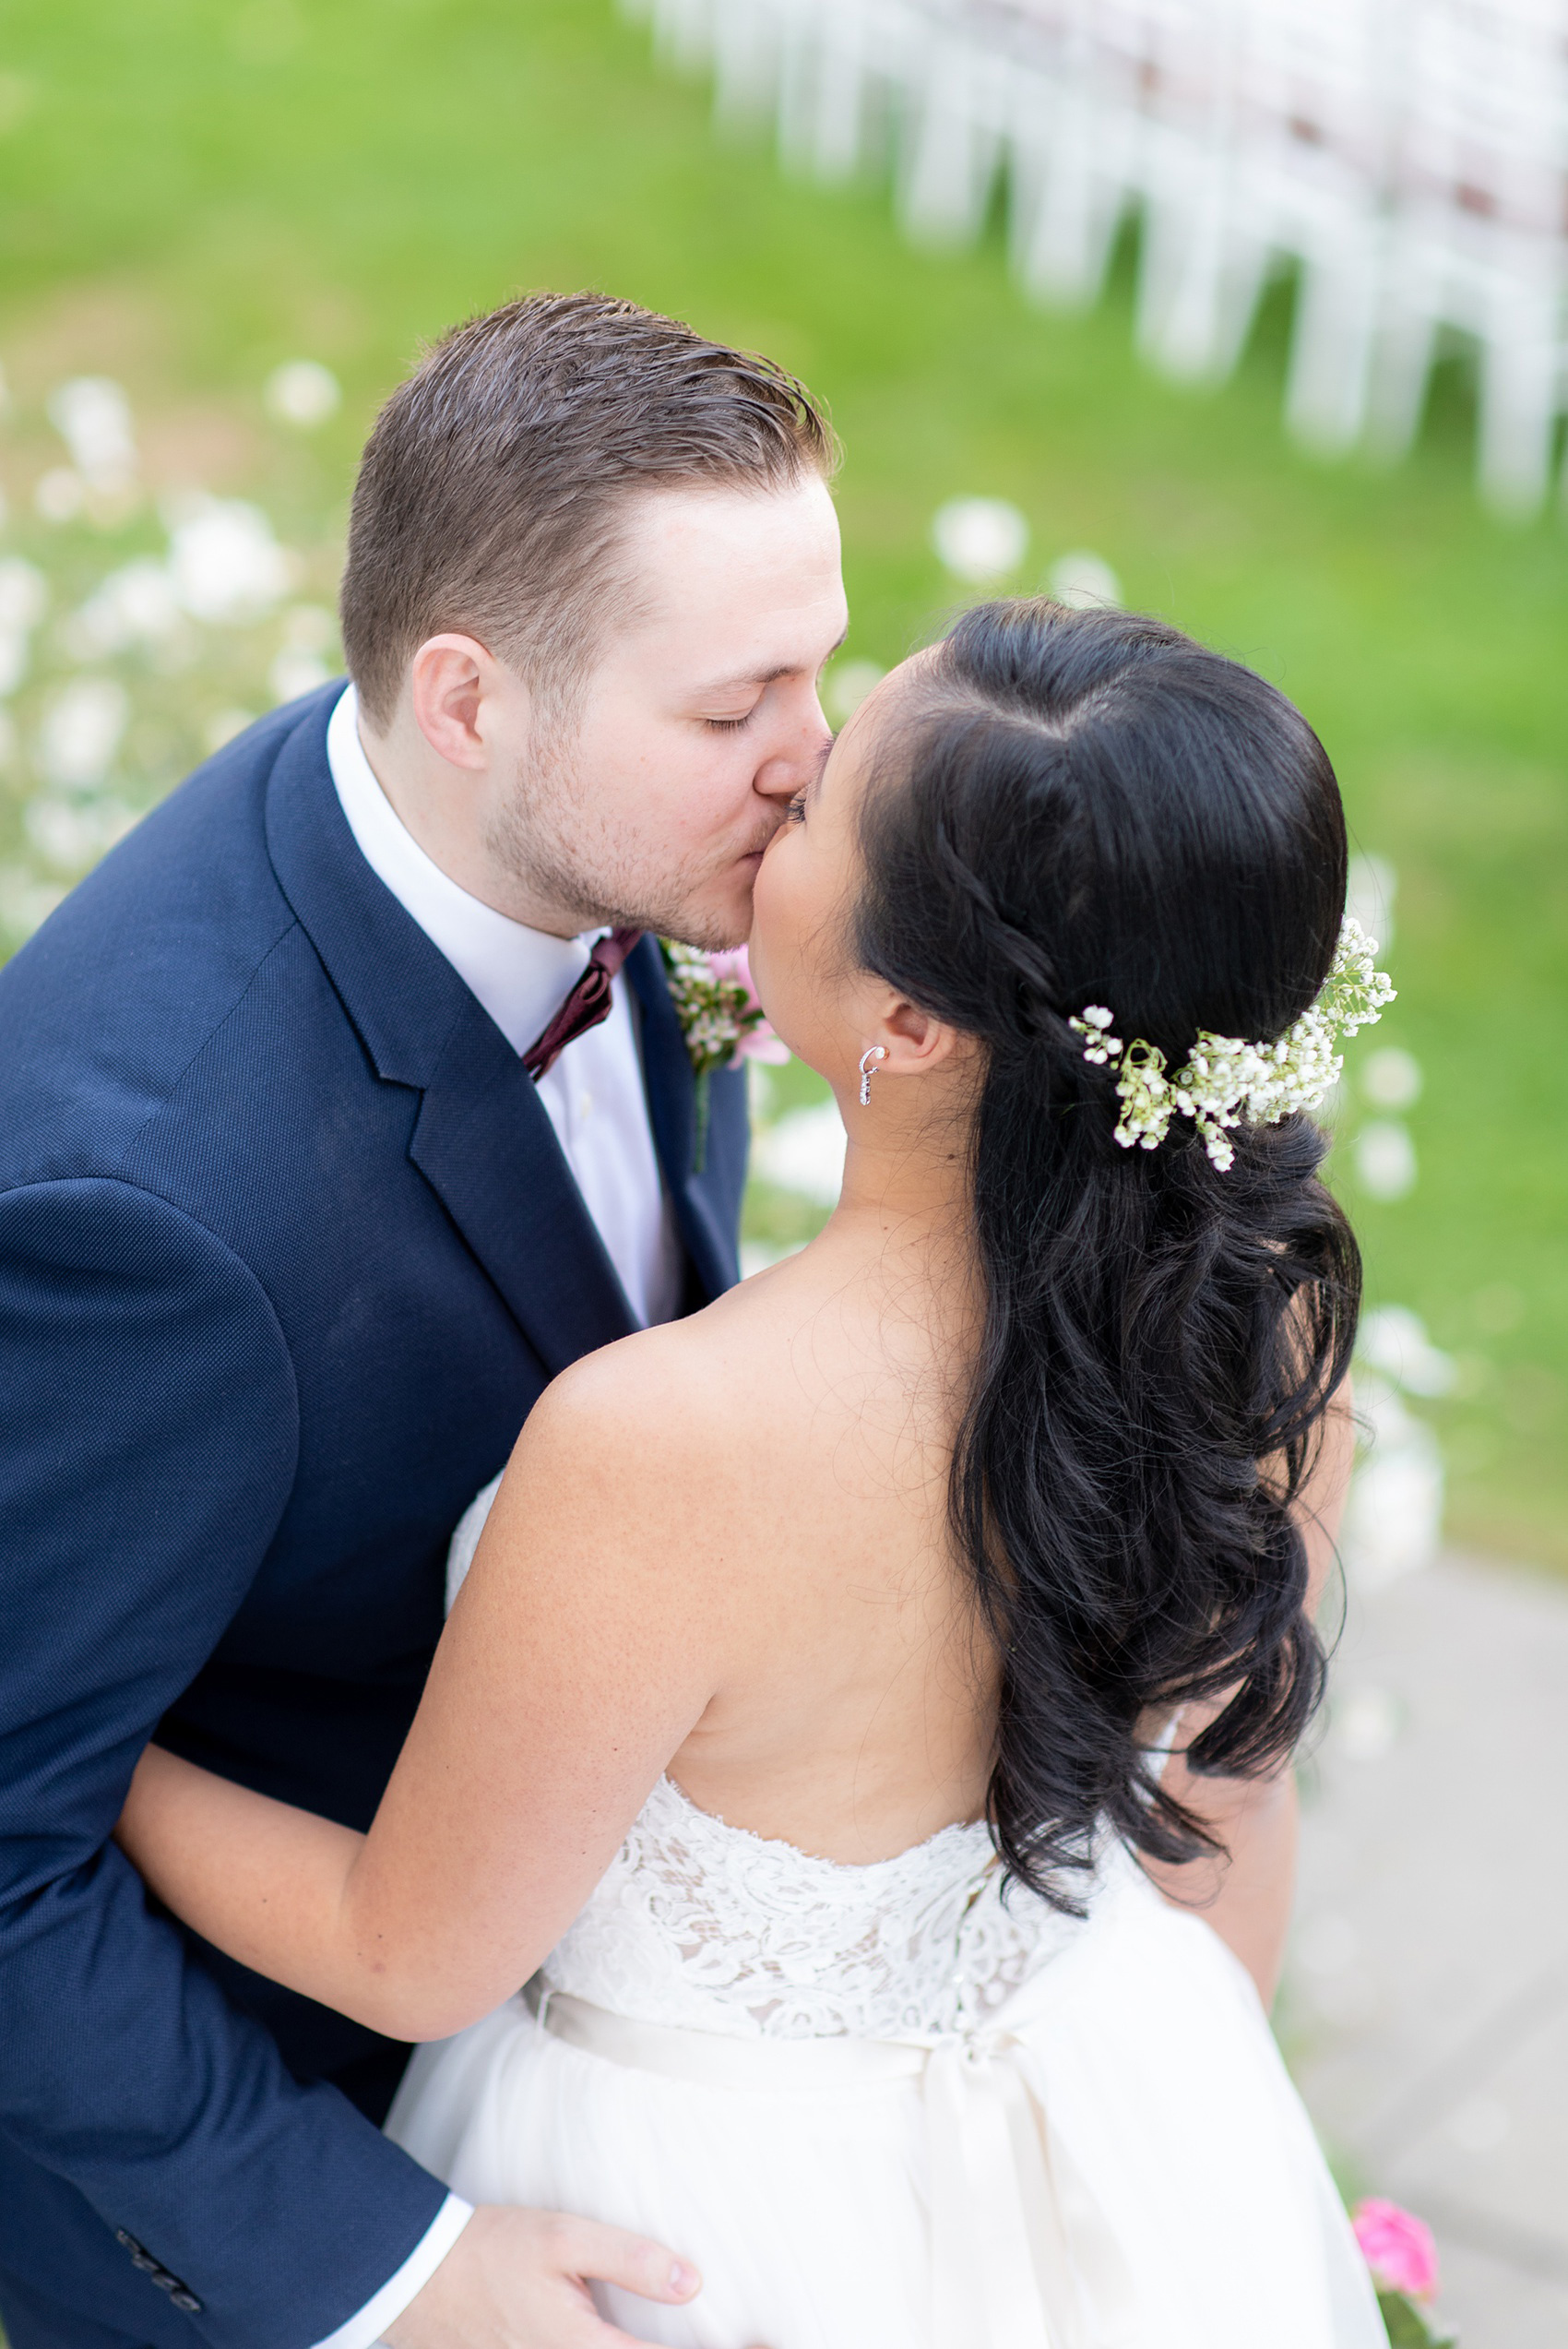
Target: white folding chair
{"x": 1073, "y": 130}
{"x": 1479, "y": 237}
{"x": 954, "y": 131}
{"x": 1311, "y": 173}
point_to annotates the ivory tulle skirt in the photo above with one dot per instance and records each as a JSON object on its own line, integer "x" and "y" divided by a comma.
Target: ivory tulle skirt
{"x": 1117, "y": 2161}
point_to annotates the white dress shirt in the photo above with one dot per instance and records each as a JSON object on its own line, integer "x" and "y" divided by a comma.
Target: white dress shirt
{"x": 596, "y": 1101}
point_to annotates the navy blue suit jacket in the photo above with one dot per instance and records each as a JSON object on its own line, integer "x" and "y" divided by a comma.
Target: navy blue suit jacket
{"x": 287, "y": 1250}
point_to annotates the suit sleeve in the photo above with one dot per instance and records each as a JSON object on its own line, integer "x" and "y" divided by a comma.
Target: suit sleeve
{"x": 147, "y": 1432}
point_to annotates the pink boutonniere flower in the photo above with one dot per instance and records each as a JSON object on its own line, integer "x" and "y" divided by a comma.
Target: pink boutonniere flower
{"x": 732, "y": 970}
{"x": 722, "y": 1019}
{"x": 1398, "y": 2249}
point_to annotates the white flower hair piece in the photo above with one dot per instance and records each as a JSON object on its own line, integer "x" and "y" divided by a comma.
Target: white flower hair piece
{"x": 1227, "y": 1081}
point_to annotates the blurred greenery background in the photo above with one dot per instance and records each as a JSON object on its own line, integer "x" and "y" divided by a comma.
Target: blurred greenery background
{"x": 196, "y": 194}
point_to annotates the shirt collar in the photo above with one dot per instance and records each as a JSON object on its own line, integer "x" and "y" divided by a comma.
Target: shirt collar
{"x": 521, "y": 976}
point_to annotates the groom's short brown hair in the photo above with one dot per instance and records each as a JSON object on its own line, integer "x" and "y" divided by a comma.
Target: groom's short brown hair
{"x": 492, "y": 493}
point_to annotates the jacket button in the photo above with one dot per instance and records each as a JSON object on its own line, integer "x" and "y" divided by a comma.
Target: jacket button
{"x": 180, "y": 2294}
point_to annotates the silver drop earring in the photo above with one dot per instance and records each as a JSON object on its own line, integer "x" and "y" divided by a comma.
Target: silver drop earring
{"x": 874, "y": 1051}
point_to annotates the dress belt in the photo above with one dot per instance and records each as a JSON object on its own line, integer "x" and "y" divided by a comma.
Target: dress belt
{"x": 1022, "y": 2254}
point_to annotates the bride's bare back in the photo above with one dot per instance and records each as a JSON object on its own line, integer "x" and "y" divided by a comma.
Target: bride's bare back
{"x": 798, "y": 1437}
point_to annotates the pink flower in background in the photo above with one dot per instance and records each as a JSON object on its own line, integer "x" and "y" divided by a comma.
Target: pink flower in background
{"x": 732, "y": 968}
{"x": 1397, "y": 2247}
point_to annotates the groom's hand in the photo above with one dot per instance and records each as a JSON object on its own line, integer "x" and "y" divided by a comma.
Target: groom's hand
{"x": 519, "y": 2280}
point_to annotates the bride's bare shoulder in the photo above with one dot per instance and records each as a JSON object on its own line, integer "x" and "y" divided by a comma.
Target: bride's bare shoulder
{"x": 651, "y": 1405}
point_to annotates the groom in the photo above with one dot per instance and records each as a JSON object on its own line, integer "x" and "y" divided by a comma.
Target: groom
{"x": 323, "y": 1144}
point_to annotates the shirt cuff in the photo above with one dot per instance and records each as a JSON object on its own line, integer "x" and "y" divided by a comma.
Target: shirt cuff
{"x": 365, "y": 2330}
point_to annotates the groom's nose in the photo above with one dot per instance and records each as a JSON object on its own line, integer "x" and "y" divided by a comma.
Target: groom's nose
{"x": 796, "y": 755}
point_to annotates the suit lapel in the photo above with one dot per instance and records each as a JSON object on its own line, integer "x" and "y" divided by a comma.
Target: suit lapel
{"x": 482, "y": 1139}
{"x": 484, "y": 1143}
{"x": 672, "y": 1100}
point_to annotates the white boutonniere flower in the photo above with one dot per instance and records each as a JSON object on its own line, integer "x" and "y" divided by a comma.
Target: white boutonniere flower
{"x": 723, "y": 1022}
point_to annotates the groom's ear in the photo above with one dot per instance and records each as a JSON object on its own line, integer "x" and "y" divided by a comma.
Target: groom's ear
{"x": 454, "y": 685}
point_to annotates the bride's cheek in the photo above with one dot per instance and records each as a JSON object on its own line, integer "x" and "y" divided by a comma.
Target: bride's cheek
{"x": 769, "y": 904}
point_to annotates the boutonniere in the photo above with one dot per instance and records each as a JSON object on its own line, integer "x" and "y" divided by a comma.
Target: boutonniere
{"x": 721, "y": 1016}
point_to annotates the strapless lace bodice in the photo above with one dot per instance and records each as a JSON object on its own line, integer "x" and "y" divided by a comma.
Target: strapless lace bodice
{"x": 1094, "y": 2139}
{"x": 701, "y": 1924}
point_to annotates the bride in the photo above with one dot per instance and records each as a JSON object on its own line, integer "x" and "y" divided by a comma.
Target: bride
{"x": 865, "y": 1729}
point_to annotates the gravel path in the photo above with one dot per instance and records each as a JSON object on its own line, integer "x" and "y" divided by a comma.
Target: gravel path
{"x": 1426, "y": 2006}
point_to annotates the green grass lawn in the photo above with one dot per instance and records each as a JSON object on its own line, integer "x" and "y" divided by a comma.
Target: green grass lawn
{"x": 192, "y": 192}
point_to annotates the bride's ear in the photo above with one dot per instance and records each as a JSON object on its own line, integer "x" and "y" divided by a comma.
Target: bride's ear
{"x": 915, "y": 1042}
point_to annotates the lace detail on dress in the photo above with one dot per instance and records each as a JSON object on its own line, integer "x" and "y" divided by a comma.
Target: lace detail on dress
{"x": 700, "y": 1924}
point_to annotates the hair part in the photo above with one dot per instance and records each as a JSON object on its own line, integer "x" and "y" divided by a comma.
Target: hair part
{"x": 495, "y": 491}
{"x": 1088, "y": 808}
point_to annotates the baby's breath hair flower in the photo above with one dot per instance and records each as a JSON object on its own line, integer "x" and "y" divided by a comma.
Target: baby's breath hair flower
{"x": 1227, "y": 1082}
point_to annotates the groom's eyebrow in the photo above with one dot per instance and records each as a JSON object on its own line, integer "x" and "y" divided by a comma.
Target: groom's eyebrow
{"x": 751, "y": 677}
{"x": 764, "y": 676}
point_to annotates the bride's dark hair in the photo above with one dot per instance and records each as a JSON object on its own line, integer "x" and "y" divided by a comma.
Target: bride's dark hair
{"x": 1089, "y": 808}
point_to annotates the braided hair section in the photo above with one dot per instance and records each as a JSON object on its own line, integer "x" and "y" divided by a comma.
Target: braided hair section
{"x": 1088, "y": 808}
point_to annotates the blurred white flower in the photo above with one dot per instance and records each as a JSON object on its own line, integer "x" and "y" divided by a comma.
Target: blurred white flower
{"x": 1370, "y": 887}
{"x": 1394, "y": 1516}
{"x": 136, "y": 604}
{"x": 224, "y": 561}
{"x": 293, "y": 673}
{"x": 24, "y": 593}
{"x": 223, "y": 725}
{"x": 1391, "y": 1078}
{"x": 846, "y": 686}
{"x": 804, "y": 1153}
{"x": 979, "y": 538}
{"x": 25, "y": 902}
{"x": 309, "y": 627}
{"x": 1385, "y": 1160}
{"x": 73, "y": 834}
{"x": 1395, "y": 1342}
{"x": 303, "y": 393}
{"x": 59, "y": 494}
{"x": 81, "y": 732}
{"x": 92, "y": 417}
{"x": 1086, "y": 582}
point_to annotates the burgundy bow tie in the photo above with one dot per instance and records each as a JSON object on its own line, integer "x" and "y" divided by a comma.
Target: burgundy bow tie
{"x": 588, "y": 1004}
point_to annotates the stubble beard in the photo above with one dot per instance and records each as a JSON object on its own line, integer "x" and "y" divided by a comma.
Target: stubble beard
{"x": 545, "y": 834}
